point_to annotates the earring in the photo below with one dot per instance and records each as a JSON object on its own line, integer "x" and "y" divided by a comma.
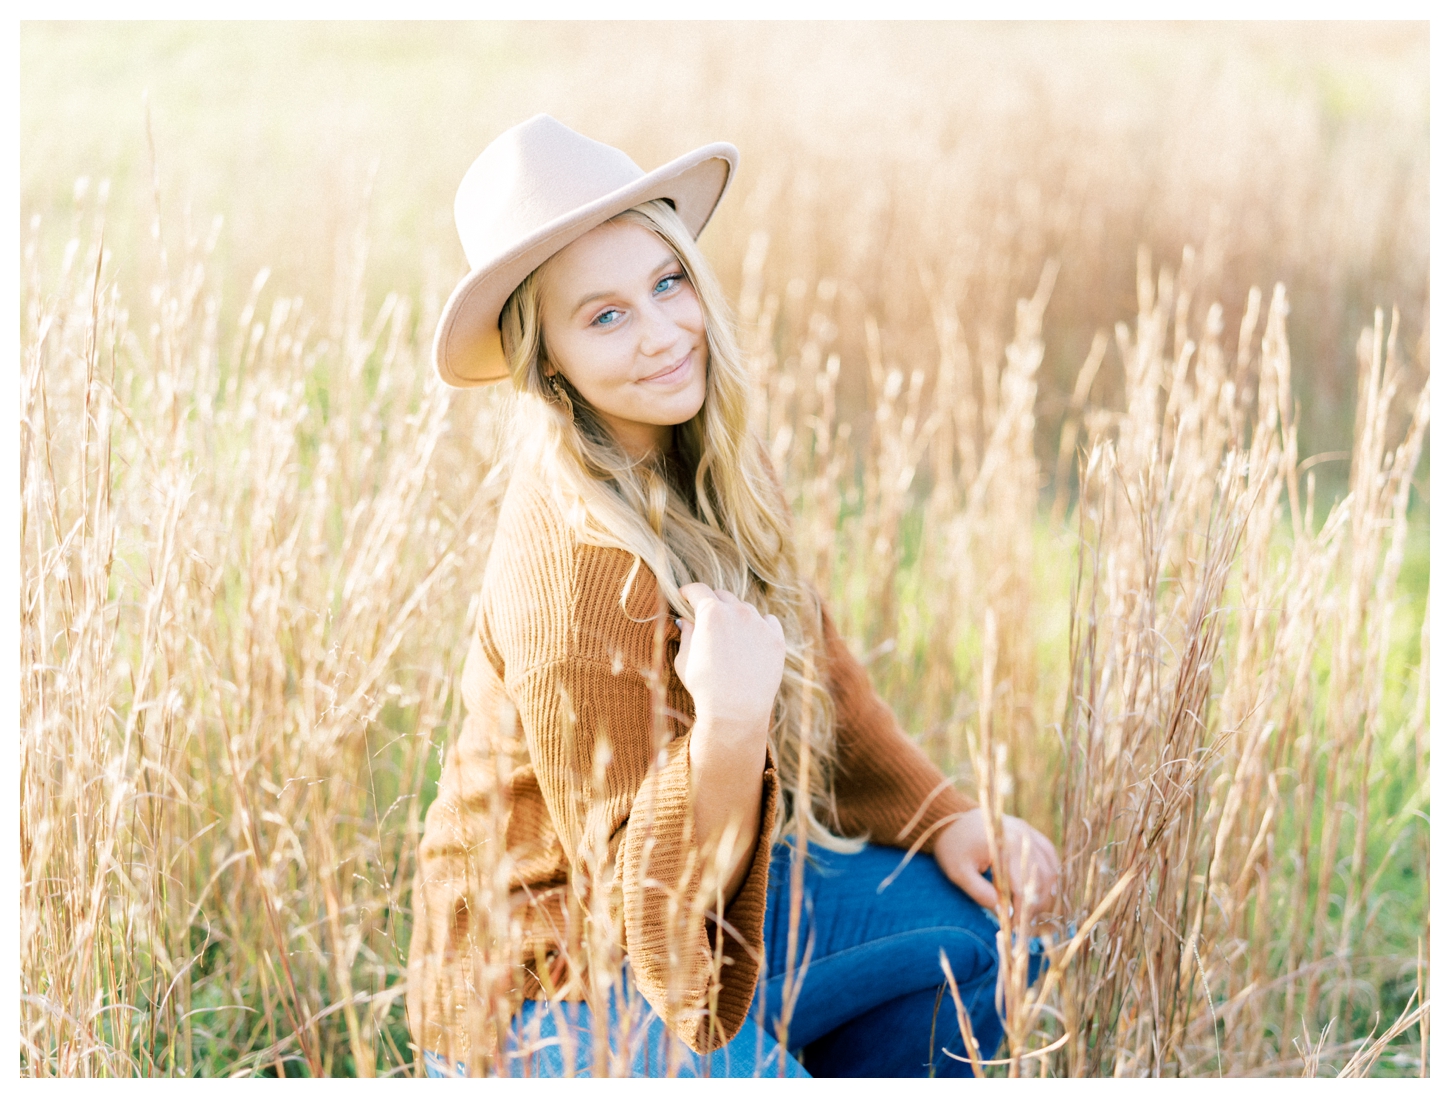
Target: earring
{"x": 560, "y": 397}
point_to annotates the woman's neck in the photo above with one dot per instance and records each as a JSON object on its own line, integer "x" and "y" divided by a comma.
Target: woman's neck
{"x": 639, "y": 440}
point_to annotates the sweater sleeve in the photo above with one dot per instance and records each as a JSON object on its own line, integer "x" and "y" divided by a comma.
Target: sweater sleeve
{"x": 619, "y": 795}
{"x": 886, "y": 787}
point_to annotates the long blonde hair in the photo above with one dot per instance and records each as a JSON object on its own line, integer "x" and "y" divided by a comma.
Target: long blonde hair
{"x": 720, "y": 519}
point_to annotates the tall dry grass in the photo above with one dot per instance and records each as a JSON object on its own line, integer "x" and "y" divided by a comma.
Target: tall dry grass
{"x": 234, "y": 535}
{"x": 1222, "y": 717}
{"x": 248, "y": 547}
{"x": 252, "y": 525}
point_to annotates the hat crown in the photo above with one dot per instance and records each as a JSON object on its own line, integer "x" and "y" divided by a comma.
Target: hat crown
{"x": 535, "y": 173}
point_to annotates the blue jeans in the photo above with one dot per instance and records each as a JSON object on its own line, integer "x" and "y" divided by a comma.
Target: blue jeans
{"x": 871, "y": 1001}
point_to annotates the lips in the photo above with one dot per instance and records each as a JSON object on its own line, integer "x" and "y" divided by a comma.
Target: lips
{"x": 669, "y": 373}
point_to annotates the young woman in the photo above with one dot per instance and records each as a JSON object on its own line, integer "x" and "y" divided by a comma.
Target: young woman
{"x": 658, "y": 704}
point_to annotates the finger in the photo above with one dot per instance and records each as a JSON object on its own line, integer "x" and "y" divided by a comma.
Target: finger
{"x": 1038, "y": 886}
{"x": 977, "y": 887}
{"x": 1044, "y": 847}
{"x": 1018, "y": 841}
{"x": 697, "y": 594}
{"x": 775, "y": 625}
{"x": 1035, "y": 846}
{"x": 1044, "y": 843}
{"x": 727, "y": 597}
{"x": 1047, "y": 879}
{"x": 1026, "y": 867}
{"x": 1052, "y": 874}
{"x": 682, "y": 657}
{"x": 1053, "y": 861}
{"x": 1043, "y": 867}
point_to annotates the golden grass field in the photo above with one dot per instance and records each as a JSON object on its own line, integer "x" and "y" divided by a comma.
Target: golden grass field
{"x": 1094, "y": 359}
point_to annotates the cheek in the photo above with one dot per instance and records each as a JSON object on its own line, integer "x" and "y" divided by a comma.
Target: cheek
{"x": 694, "y": 315}
{"x": 684, "y": 311}
{"x": 591, "y": 365}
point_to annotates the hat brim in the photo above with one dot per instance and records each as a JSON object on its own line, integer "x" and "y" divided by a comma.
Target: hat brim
{"x": 467, "y": 347}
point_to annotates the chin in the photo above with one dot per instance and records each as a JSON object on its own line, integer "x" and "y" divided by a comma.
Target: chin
{"x": 683, "y": 408}
{"x": 690, "y": 411}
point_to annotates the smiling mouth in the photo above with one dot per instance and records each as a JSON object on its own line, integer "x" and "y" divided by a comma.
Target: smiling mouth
{"x": 670, "y": 371}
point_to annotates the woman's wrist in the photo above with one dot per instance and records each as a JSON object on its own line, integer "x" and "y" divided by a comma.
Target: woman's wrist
{"x": 727, "y": 775}
{"x": 745, "y": 729}
{"x": 727, "y": 752}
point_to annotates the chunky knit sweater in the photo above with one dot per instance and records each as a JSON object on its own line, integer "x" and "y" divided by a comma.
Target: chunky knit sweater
{"x": 575, "y": 749}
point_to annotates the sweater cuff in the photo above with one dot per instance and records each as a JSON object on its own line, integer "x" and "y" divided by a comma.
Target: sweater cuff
{"x": 664, "y": 909}
{"x": 740, "y": 940}
{"x": 937, "y": 808}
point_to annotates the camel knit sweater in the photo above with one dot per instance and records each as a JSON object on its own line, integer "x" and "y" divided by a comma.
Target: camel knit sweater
{"x": 575, "y": 749}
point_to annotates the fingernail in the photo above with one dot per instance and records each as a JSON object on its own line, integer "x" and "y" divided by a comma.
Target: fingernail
{"x": 680, "y": 623}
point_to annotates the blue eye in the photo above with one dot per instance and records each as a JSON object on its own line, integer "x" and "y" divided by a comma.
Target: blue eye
{"x": 669, "y": 282}
{"x": 604, "y": 319}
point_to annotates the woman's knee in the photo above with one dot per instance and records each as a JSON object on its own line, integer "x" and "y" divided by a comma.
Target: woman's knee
{"x": 971, "y": 961}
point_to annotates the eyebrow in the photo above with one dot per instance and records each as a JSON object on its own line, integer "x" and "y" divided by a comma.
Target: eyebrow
{"x": 597, "y": 294}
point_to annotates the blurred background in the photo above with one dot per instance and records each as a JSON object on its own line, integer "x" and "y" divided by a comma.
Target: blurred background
{"x": 897, "y": 158}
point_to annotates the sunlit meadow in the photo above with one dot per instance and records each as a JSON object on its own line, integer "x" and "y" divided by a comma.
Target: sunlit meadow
{"x": 1093, "y": 357}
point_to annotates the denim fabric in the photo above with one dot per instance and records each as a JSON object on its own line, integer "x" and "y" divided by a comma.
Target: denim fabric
{"x": 435, "y": 1067}
{"x": 872, "y": 998}
{"x": 558, "y": 1033}
{"x": 868, "y": 989}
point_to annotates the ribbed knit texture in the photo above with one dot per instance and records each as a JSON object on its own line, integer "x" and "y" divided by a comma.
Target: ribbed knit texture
{"x": 583, "y": 764}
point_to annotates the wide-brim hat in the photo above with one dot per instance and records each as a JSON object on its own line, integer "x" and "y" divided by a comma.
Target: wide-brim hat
{"x": 537, "y": 188}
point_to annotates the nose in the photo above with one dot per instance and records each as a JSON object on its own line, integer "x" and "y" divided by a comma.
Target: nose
{"x": 658, "y": 331}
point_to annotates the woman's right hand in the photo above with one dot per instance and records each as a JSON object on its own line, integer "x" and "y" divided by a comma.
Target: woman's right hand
{"x": 731, "y": 660}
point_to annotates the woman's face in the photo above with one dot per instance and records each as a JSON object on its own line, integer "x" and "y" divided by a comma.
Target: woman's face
{"x": 623, "y": 324}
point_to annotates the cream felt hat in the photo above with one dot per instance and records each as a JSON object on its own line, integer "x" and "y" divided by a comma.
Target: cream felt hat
{"x": 537, "y": 188}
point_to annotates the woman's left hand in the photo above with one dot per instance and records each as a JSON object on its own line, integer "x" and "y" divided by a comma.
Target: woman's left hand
{"x": 1027, "y": 857}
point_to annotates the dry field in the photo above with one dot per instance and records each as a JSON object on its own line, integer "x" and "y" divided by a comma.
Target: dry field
{"x": 1135, "y": 549}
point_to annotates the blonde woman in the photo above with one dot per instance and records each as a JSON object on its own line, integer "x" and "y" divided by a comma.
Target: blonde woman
{"x": 657, "y": 701}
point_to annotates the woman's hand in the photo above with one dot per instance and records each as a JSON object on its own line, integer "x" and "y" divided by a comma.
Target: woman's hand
{"x": 731, "y": 661}
{"x": 1027, "y": 857}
